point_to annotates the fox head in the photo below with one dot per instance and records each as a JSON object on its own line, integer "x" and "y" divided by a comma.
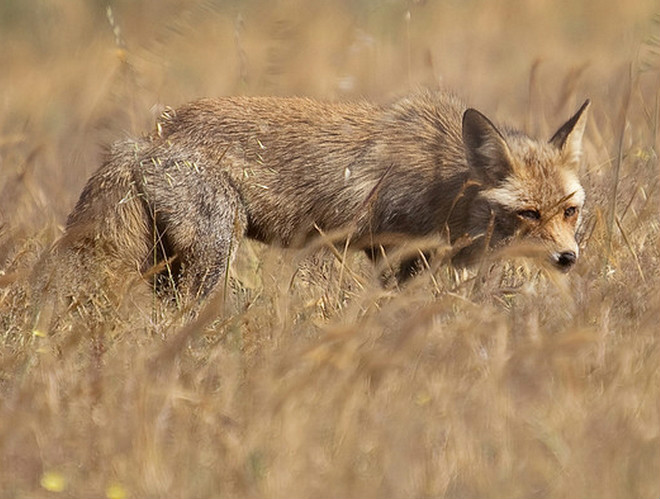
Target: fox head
{"x": 527, "y": 188}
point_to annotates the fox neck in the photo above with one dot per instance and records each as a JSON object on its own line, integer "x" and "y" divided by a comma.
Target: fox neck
{"x": 474, "y": 225}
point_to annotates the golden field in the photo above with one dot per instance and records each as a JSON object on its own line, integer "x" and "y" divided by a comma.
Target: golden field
{"x": 311, "y": 380}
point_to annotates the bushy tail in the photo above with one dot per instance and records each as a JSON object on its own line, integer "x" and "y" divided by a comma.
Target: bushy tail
{"x": 103, "y": 249}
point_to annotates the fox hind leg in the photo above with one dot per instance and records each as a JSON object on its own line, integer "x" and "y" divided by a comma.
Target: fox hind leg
{"x": 198, "y": 223}
{"x": 205, "y": 263}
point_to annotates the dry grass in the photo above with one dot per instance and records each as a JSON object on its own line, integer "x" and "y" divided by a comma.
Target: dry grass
{"x": 313, "y": 381}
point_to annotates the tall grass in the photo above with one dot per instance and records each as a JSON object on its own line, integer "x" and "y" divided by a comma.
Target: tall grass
{"x": 310, "y": 379}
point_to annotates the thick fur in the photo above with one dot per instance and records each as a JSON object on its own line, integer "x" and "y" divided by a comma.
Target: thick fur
{"x": 282, "y": 169}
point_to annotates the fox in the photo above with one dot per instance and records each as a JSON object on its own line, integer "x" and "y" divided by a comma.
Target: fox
{"x": 283, "y": 170}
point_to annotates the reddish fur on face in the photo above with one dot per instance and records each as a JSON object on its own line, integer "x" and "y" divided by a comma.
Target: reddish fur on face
{"x": 542, "y": 180}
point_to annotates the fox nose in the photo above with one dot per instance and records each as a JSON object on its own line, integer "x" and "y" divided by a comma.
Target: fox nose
{"x": 566, "y": 260}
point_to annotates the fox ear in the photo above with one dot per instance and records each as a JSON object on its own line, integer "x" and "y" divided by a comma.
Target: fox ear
{"x": 568, "y": 139}
{"x": 487, "y": 152}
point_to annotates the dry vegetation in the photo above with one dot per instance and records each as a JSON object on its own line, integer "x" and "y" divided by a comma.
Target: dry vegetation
{"x": 313, "y": 381}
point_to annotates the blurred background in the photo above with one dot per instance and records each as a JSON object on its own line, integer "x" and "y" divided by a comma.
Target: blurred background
{"x": 80, "y": 73}
{"x": 317, "y": 382}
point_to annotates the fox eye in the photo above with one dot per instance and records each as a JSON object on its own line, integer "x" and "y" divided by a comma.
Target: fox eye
{"x": 570, "y": 211}
{"x": 530, "y": 214}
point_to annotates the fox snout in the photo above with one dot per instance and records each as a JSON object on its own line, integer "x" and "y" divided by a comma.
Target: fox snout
{"x": 564, "y": 260}
{"x": 558, "y": 234}
{"x": 561, "y": 244}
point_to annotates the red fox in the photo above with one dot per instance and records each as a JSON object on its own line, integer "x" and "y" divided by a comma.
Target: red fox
{"x": 280, "y": 170}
